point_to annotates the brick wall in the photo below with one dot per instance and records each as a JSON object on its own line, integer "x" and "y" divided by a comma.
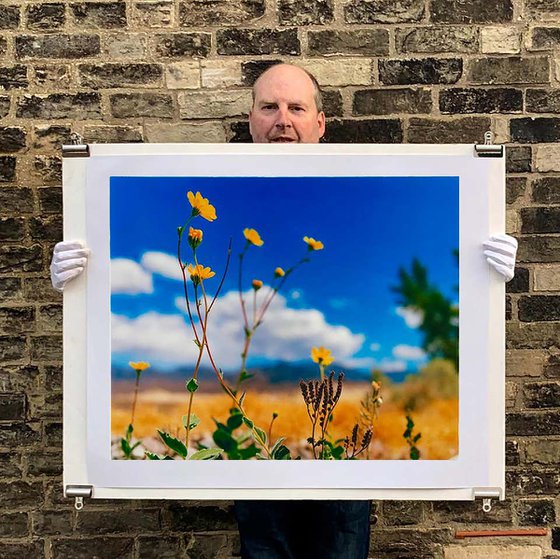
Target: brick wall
{"x": 177, "y": 71}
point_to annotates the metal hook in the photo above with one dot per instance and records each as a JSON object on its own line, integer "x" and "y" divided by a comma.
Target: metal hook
{"x": 488, "y": 138}
{"x": 486, "y": 505}
{"x": 79, "y": 503}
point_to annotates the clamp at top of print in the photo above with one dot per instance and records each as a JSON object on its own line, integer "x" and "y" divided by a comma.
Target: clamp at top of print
{"x": 76, "y": 148}
{"x": 488, "y": 149}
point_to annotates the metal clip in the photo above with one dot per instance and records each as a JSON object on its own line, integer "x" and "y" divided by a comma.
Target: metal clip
{"x": 79, "y": 503}
{"x": 76, "y": 148}
{"x": 488, "y": 149}
{"x": 79, "y": 492}
{"x": 487, "y": 495}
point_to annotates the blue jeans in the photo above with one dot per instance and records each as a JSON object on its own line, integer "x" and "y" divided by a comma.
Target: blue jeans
{"x": 303, "y": 529}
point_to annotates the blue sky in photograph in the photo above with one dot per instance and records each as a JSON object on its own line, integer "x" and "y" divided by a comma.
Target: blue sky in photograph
{"x": 370, "y": 226}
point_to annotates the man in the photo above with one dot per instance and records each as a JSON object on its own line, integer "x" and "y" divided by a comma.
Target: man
{"x": 287, "y": 108}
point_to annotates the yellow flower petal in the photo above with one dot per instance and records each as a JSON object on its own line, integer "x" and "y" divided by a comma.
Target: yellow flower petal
{"x": 253, "y": 237}
{"x": 257, "y": 284}
{"x": 139, "y": 365}
{"x": 312, "y": 244}
{"x": 201, "y": 206}
{"x": 321, "y": 356}
{"x": 279, "y": 272}
{"x": 199, "y": 272}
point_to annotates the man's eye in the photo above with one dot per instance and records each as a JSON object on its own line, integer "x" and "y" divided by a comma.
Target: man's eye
{"x": 268, "y": 107}
{"x": 298, "y": 109}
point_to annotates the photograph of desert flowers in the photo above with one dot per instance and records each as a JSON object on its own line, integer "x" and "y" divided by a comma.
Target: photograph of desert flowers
{"x": 284, "y": 318}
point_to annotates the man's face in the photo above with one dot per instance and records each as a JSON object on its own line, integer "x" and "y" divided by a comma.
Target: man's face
{"x": 284, "y": 109}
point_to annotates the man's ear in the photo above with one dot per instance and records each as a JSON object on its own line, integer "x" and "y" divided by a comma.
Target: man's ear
{"x": 321, "y": 122}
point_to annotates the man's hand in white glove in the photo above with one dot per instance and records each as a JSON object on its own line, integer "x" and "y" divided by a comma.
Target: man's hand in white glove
{"x": 500, "y": 251}
{"x": 68, "y": 261}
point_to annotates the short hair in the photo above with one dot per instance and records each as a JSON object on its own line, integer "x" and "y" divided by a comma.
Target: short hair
{"x": 317, "y": 96}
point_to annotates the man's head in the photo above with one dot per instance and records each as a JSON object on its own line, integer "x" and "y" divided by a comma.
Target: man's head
{"x": 286, "y": 107}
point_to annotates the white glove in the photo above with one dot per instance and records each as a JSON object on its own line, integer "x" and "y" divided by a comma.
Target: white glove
{"x": 500, "y": 251}
{"x": 68, "y": 261}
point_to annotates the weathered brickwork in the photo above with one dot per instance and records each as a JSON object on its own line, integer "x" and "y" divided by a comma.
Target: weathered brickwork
{"x": 415, "y": 71}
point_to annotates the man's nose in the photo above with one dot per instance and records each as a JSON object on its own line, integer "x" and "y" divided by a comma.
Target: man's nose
{"x": 283, "y": 118}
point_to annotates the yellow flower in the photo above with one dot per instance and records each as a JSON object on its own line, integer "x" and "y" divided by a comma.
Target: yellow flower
{"x": 139, "y": 366}
{"x": 312, "y": 244}
{"x": 257, "y": 284}
{"x": 322, "y": 356}
{"x": 201, "y": 206}
{"x": 195, "y": 237}
{"x": 253, "y": 237}
{"x": 199, "y": 272}
{"x": 279, "y": 272}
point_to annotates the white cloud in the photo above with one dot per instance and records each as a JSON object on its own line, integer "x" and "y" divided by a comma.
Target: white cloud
{"x": 375, "y": 347}
{"x": 408, "y": 352}
{"x": 285, "y": 333}
{"x": 128, "y": 277}
{"x": 413, "y": 317}
{"x": 389, "y": 367}
{"x": 358, "y": 362}
{"x": 163, "y": 264}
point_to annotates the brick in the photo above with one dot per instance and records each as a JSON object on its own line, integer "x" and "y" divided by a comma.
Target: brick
{"x": 531, "y": 483}
{"x": 500, "y": 40}
{"x": 207, "y": 132}
{"x": 115, "y": 521}
{"x": 125, "y": 45}
{"x": 406, "y": 544}
{"x": 52, "y": 523}
{"x": 520, "y": 282}
{"x": 366, "y": 42}
{"x": 43, "y": 463}
{"x": 198, "y": 13}
{"x": 12, "y": 229}
{"x": 402, "y": 513}
{"x": 543, "y": 100}
{"x": 546, "y": 190}
{"x": 16, "y": 435}
{"x": 3, "y": 46}
{"x": 512, "y": 222}
{"x": 509, "y": 311}
{"x": 74, "y": 548}
{"x": 471, "y": 100}
{"x": 53, "y": 435}
{"x": 493, "y": 552}
{"x": 10, "y": 466}
{"x": 210, "y": 545}
{"x": 551, "y": 368}
{"x": 174, "y": 45}
{"x": 250, "y": 71}
{"x": 201, "y": 518}
{"x": 16, "y": 258}
{"x": 543, "y": 452}
{"x": 383, "y": 11}
{"x": 340, "y": 72}
{"x": 46, "y": 348}
{"x": 4, "y": 106}
{"x": 476, "y": 11}
{"x": 512, "y": 453}
{"x": 420, "y": 71}
{"x": 79, "y": 106}
{"x": 239, "y": 133}
{"x": 50, "y": 137}
{"x": 9, "y": 17}
{"x": 160, "y": 547}
{"x": 7, "y": 168}
{"x": 545, "y": 38}
{"x": 543, "y": 8}
{"x": 112, "y": 134}
{"x": 220, "y": 73}
{"x": 536, "y": 512}
{"x": 16, "y": 320}
{"x": 19, "y": 550}
{"x": 48, "y": 168}
{"x": 547, "y": 279}
{"x": 57, "y": 46}
{"x": 13, "y": 77}
{"x": 19, "y": 494}
{"x": 53, "y": 378}
{"x": 391, "y": 101}
{"x": 454, "y": 511}
{"x": 12, "y": 407}
{"x": 519, "y": 159}
{"x": 182, "y": 75}
{"x": 126, "y": 105}
{"x": 10, "y": 289}
{"x": 54, "y": 76}
{"x": 540, "y": 220}
{"x": 258, "y": 42}
{"x": 541, "y": 335}
{"x": 50, "y": 200}
{"x": 533, "y": 423}
{"x": 301, "y": 12}
{"x": 153, "y": 14}
{"x": 535, "y": 130}
{"x": 14, "y": 525}
{"x": 332, "y": 102}
{"x": 437, "y": 39}
{"x": 220, "y": 104}
{"x": 542, "y": 395}
{"x": 40, "y": 290}
{"x": 547, "y": 159}
{"x": 47, "y": 17}
{"x": 364, "y": 131}
{"x": 23, "y": 378}
{"x": 463, "y": 130}
{"x": 102, "y": 15}
{"x": 515, "y": 189}
{"x": 509, "y": 70}
{"x": 50, "y": 318}
{"x": 101, "y": 76}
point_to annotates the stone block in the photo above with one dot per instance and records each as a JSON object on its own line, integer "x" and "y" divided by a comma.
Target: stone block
{"x": 547, "y": 159}
{"x": 45, "y": 17}
{"x": 41, "y": 463}
{"x": 512, "y": 453}
{"x": 547, "y": 279}
{"x": 154, "y": 15}
{"x": 12, "y": 229}
{"x": 52, "y": 522}
{"x": 535, "y": 130}
{"x": 402, "y": 513}
{"x": 465, "y": 130}
{"x": 513, "y": 224}
{"x": 384, "y": 131}
{"x": 542, "y": 452}
{"x": 392, "y": 101}
{"x": 14, "y": 525}
{"x": 180, "y": 45}
{"x": 207, "y": 132}
{"x": 456, "y": 511}
{"x": 363, "y": 42}
{"x": 101, "y": 15}
{"x": 16, "y": 200}
{"x": 303, "y": 12}
{"x": 420, "y": 71}
{"x": 16, "y": 320}
{"x": 50, "y": 137}
{"x": 4, "y": 106}
{"x": 52, "y": 76}
{"x": 20, "y": 378}
{"x": 219, "y": 104}
{"x": 515, "y": 189}
{"x": 46, "y": 348}
{"x": 200, "y": 13}
{"x": 10, "y": 290}
{"x": 476, "y": 100}
{"x": 13, "y": 77}
{"x": 19, "y": 494}
{"x": 536, "y": 512}
{"x": 18, "y": 435}
{"x": 258, "y": 42}
{"x": 125, "y": 45}
{"x": 250, "y": 71}
{"x": 102, "y": 134}
{"x": 475, "y": 11}
{"x": 519, "y": 159}
{"x": 182, "y": 75}
{"x": 533, "y": 423}
{"x": 520, "y": 282}
{"x": 168, "y": 547}
{"x": 79, "y": 106}
{"x": 12, "y": 407}
{"x": 552, "y": 367}
{"x": 546, "y": 190}
{"x": 22, "y": 549}
{"x": 201, "y": 518}
{"x": 545, "y": 38}
{"x": 509, "y": 70}
{"x": 383, "y": 11}
{"x": 540, "y": 220}
{"x": 17, "y": 258}
{"x": 7, "y": 168}
{"x": 216, "y": 74}
{"x": 340, "y": 72}
{"x": 406, "y": 543}
{"x": 332, "y": 102}
{"x": 103, "y": 76}
{"x": 73, "y": 548}
{"x": 210, "y": 545}
{"x": 507, "y": 551}
{"x": 59, "y": 45}
{"x": 239, "y": 133}
{"x": 40, "y": 290}
{"x": 543, "y": 100}
{"x": 48, "y": 168}
{"x": 437, "y": 39}
{"x": 500, "y": 40}
{"x": 542, "y": 395}
{"x": 155, "y": 105}
{"x": 543, "y": 9}
{"x": 9, "y": 17}
{"x": 531, "y": 483}
{"x": 49, "y": 318}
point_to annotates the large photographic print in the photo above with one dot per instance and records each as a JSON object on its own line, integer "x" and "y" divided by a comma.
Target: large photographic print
{"x": 284, "y": 318}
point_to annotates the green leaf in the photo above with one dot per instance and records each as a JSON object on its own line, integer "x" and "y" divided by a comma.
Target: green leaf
{"x": 191, "y": 385}
{"x": 224, "y": 440}
{"x": 276, "y": 445}
{"x": 193, "y": 421}
{"x": 129, "y": 431}
{"x": 152, "y": 456}
{"x": 245, "y": 376}
{"x": 248, "y": 422}
{"x": 207, "y": 454}
{"x": 125, "y": 447}
{"x": 241, "y": 399}
{"x": 135, "y": 445}
{"x": 173, "y": 443}
{"x": 235, "y": 421}
{"x": 414, "y": 453}
{"x": 416, "y": 438}
{"x": 282, "y": 453}
{"x": 261, "y": 433}
{"x": 249, "y": 452}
